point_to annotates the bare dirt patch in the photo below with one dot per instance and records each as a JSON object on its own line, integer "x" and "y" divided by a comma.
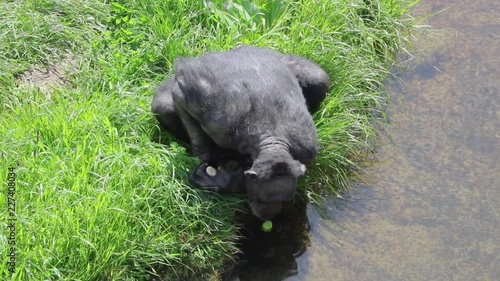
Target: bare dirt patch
{"x": 46, "y": 79}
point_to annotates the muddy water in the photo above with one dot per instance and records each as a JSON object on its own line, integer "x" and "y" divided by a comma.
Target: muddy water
{"x": 429, "y": 208}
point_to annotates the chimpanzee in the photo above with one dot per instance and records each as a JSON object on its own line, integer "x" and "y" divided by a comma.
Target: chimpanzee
{"x": 247, "y": 114}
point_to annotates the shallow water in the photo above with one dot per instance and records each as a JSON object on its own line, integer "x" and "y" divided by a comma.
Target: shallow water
{"x": 429, "y": 207}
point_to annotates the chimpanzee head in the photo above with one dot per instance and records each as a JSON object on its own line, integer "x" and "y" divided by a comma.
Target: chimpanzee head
{"x": 270, "y": 181}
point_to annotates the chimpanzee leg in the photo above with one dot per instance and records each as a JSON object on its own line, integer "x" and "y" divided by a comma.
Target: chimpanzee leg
{"x": 312, "y": 79}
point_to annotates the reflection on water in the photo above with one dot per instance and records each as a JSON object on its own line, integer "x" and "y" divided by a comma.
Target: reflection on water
{"x": 272, "y": 255}
{"x": 429, "y": 209}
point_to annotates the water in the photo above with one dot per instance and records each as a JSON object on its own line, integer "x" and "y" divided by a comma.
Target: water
{"x": 429, "y": 207}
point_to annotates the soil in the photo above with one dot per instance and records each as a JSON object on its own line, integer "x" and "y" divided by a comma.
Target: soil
{"x": 48, "y": 78}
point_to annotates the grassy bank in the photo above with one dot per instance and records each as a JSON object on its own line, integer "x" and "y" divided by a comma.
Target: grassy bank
{"x": 95, "y": 197}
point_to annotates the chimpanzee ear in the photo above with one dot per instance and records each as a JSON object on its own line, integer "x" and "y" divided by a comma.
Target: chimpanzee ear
{"x": 252, "y": 175}
{"x": 280, "y": 169}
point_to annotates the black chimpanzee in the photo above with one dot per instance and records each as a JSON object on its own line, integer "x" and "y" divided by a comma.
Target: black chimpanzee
{"x": 246, "y": 112}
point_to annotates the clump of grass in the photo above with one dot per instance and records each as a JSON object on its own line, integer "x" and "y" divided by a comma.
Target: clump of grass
{"x": 96, "y": 197}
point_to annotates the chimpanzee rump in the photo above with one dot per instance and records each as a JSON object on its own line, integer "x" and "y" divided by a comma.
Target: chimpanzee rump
{"x": 252, "y": 104}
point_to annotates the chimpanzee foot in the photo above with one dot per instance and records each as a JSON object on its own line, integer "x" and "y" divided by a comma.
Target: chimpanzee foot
{"x": 204, "y": 177}
{"x": 218, "y": 180}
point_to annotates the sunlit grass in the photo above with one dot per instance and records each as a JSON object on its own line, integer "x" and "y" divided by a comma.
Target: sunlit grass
{"x": 97, "y": 197}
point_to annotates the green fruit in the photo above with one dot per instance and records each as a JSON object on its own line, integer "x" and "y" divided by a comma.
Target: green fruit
{"x": 267, "y": 226}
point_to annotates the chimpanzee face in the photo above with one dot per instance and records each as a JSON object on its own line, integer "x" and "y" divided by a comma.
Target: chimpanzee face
{"x": 271, "y": 182}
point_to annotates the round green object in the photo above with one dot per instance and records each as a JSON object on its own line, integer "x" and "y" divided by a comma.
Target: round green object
{"x": 267, "y": 226}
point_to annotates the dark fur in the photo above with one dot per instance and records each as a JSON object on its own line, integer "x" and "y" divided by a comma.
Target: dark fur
{"x": 248, "y": 103}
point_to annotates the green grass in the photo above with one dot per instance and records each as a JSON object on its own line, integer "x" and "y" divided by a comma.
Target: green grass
{"x": 96, "y": 197}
